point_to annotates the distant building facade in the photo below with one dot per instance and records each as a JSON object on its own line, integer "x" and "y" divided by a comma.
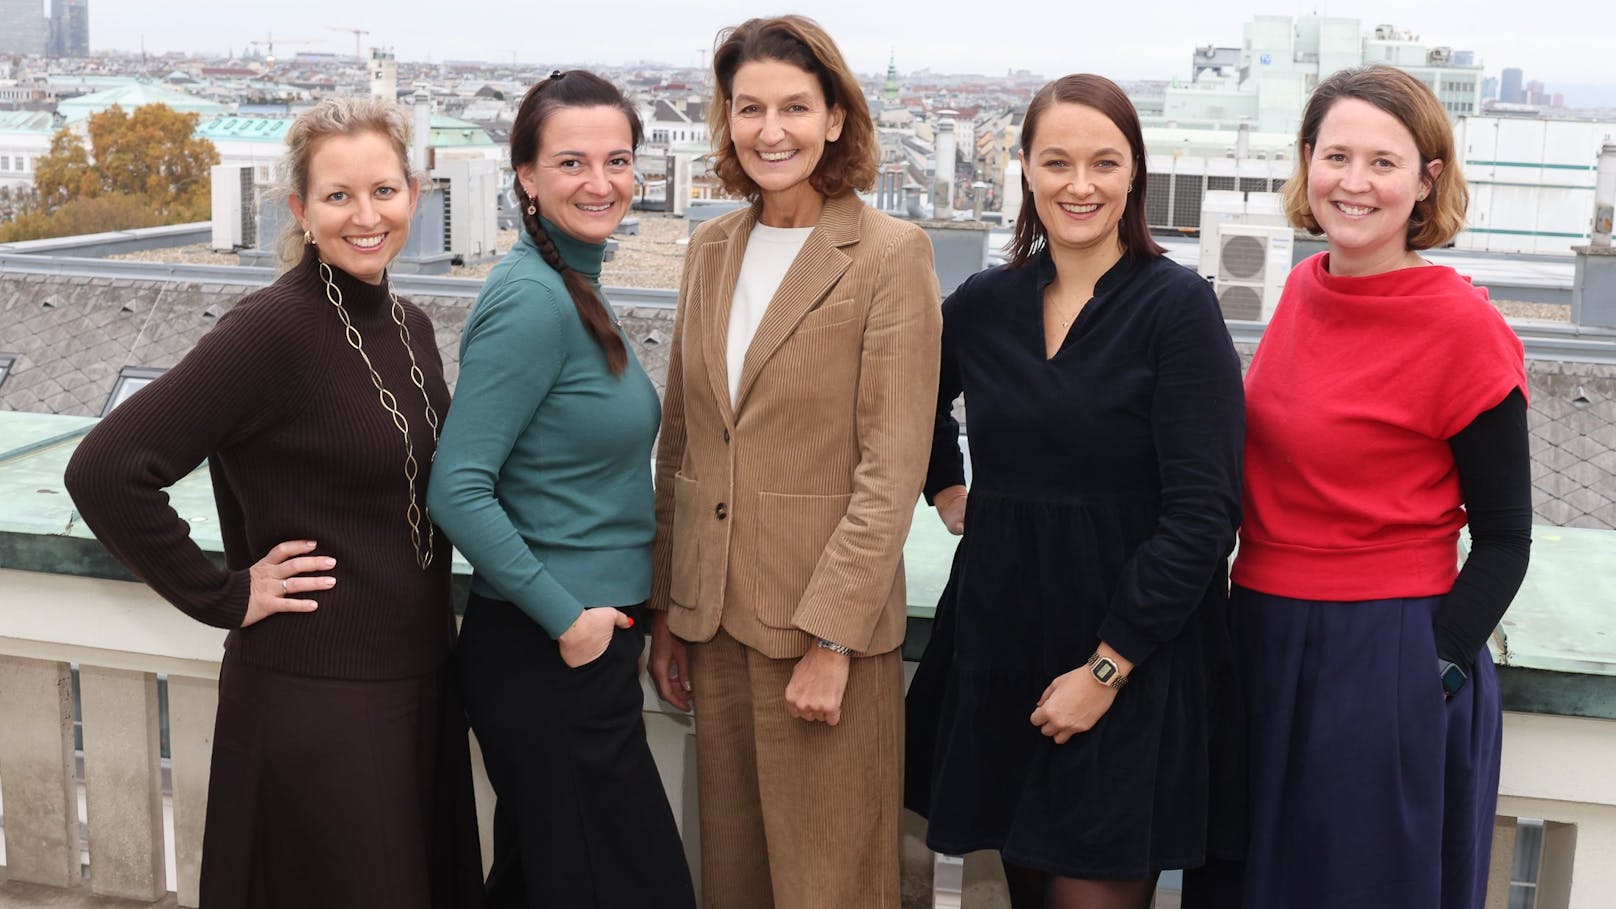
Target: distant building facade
{"x": 1510, "y": 91}
{"x": 70, "y": 28}
{"x": 26, "y": 30}
{"x": 1283, "y": 58}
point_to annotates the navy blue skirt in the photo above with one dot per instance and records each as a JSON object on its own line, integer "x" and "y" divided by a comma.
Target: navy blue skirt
{"x": 1366, "y": 787}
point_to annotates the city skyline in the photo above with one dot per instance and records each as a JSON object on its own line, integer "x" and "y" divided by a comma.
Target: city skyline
{"x": 1556, "y": 41}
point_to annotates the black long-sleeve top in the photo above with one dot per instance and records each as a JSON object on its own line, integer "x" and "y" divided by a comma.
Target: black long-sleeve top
{"x": 1494, "y": 462}
{"x": 1138, "y": 421}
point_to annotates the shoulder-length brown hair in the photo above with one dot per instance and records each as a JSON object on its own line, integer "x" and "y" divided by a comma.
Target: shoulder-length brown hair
{"x": 1438, "y": 217}
{"x": 851, "y": 161}
{"x": 1107, "y": 97}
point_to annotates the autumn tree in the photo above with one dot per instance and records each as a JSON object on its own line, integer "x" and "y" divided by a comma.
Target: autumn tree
{"x": 152, "y": 155}
{"x": 64, "y": 173}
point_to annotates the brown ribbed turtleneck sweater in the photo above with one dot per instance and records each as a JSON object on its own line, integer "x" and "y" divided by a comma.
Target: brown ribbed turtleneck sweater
{"x": 300, "y": 447}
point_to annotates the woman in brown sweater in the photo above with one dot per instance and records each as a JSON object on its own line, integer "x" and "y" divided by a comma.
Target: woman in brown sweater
{"x": 340, "y": 774}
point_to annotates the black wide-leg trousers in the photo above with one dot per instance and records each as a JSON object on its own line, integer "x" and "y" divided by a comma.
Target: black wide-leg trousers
{"x": 581, "y": 819}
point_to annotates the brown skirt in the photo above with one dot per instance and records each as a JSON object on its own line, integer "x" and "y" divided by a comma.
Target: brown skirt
{"x": 337, "y": 793}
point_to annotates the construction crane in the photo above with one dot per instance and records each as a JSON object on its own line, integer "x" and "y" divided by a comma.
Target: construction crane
{"x": 357, "y": 34}
{"x": 269, "y": 45}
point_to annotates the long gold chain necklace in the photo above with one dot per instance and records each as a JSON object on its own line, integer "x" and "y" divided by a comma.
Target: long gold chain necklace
{"x": 416, "y": 515}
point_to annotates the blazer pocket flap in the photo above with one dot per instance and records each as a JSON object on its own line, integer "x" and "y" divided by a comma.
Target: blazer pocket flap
{"x": 834, "y": 313}
{"x": 792, "y": 531}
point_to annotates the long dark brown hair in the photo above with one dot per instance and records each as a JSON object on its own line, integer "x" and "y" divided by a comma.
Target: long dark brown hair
{"x": 574, "y": 88}
{"x": 1108, "y": 98}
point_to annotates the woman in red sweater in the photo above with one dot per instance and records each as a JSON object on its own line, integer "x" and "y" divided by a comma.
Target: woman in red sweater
{"x": 1386, "y": 408}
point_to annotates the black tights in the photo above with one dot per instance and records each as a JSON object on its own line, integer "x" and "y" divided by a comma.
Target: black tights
{"x": 1030, "y": 889}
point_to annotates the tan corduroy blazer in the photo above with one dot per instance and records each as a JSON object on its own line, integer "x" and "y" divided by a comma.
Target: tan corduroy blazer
{"x": 782, "y": 517}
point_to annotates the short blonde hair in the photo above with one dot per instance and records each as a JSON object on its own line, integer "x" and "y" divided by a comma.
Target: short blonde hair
{"x": 1437, "y": 218}
{"x": 334, "y": 117}
{"x": 851, "y": 161}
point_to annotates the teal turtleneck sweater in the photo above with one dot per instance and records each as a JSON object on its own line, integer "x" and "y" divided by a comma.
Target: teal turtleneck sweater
{"x": 543, "y": 477}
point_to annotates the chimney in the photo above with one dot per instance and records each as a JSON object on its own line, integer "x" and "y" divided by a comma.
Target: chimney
{"x": 943, "y": 183}
{"x": 420, "y": 146}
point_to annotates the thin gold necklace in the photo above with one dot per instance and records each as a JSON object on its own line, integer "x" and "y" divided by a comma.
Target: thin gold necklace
{"x": 416, "y": 515}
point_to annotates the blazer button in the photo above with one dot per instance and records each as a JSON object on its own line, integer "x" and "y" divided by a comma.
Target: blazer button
{"x": 721, "y": 512}
{"x": 726, "y": 437}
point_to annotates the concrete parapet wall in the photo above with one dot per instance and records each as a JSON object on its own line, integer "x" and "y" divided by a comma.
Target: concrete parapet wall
{"x": 116, "y": 242}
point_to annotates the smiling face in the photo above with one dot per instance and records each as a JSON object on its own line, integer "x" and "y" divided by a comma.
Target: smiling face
{"x": 358, "y": 203}
{"x": 1079, "y": 168}
{"x": 583, "y": 177}
{"x": 779, "y": 123}
{"x": 1363, "y": 178}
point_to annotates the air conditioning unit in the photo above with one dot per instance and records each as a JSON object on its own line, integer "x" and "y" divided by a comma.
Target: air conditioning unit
{"x": 470, "y": 205}
{"x": 1218, "y": 208}
{"x": 235, "y": 207}
{"x": 1252, "y": 263}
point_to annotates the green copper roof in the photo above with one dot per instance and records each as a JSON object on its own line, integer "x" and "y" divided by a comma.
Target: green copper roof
{"x": 134, "y": 95}
{"x": 452, "y": 132}
{"x": 26, "y": 121}
{"x": 231, "y": 127}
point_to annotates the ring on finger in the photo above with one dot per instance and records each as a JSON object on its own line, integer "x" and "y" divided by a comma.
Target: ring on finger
{"x": 284, "y": 590}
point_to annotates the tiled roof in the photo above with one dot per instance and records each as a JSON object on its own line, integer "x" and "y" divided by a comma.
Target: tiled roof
{"x": 1572, "y": 420}
{"x": 72, "y": 335}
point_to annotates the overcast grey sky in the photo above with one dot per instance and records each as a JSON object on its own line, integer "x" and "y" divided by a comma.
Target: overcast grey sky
{"x": 1556, "y": 41}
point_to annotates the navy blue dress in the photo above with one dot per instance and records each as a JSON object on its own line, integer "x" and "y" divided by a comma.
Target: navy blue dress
{"x": 1104, "y": 501}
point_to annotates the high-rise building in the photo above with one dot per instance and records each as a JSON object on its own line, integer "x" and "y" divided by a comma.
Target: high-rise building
{"x": 25, "y": 29}
{"x": 1510, "y": 91}
{"x": 70, "y": 28}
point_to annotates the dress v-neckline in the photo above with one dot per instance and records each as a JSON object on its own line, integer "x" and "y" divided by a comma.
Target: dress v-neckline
{"x": 1046, "y": 277}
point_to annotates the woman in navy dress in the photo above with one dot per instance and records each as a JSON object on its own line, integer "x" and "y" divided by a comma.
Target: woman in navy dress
{"x": 1106, "y": 426}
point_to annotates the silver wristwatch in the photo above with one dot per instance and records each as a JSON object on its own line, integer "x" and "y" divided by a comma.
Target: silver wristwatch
{"x": 834, "y": 647}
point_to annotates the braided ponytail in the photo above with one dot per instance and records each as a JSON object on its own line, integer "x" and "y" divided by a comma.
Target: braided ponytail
{"x": 576, "y": 88}
{"x": 591, "y": 308}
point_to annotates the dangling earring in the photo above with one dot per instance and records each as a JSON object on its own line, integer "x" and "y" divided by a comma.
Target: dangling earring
{"x": 532, "y": 207}
{"x": 308, "y": 237}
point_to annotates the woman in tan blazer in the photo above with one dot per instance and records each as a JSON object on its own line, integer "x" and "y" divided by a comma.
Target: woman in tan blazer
{"x": 796, "y": 427}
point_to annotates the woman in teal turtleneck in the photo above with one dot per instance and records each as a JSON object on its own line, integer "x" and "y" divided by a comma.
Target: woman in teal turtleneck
{"x": 543, "y": 482}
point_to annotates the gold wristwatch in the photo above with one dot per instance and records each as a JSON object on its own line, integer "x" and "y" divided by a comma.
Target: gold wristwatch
{"x": 1105, "y": 671}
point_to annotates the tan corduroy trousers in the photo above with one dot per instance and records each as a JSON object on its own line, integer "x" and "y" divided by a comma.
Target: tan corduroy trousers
{"x": 796, "y": 815}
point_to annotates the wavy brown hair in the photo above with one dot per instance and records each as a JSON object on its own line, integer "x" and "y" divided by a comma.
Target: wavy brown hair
{"x": 1107, "y": 97}
{"x": 574, "y": 88}
{"x": 851, "y": 161}
{"x": 1438, "y": 217}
